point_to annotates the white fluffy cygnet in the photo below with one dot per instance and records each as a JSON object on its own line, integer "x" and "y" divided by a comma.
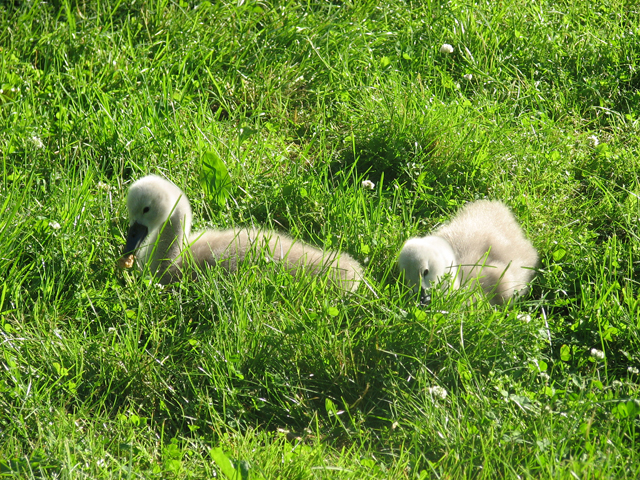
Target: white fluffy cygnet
{"x": 482, "y": 244}
{"x": 159, "y": 238}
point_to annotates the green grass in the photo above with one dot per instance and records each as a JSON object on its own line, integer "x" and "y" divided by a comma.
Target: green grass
{"x": 105, "y": 375}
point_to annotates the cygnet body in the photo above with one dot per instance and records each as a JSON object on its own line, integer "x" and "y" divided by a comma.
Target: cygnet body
{"x": 159, "y": 236}
{"x": 482, "y": 244}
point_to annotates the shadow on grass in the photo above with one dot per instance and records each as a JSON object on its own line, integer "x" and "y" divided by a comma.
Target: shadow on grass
{"x": 423, "y": 163}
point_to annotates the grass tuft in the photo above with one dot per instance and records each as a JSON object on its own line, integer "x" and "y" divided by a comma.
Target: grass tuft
{"x": 105, "y": 374}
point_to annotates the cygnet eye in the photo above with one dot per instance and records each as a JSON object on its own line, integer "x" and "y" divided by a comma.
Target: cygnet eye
{"x": 426, "y": 272}
{"x": 145, "y": 209}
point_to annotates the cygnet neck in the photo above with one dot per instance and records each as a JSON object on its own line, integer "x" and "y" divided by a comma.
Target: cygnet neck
{"x": 168, "y": 241}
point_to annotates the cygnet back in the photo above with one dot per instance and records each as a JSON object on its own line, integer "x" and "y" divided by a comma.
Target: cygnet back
{"x": 489, "y": 226}
{"x": 230, "y": 248}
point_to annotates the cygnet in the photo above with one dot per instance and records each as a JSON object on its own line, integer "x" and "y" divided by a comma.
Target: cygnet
{"x": 159, "y": 238}
{"x": 482, "y": 244}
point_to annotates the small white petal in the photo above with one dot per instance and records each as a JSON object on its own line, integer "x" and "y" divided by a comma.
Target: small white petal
{"x": 437, "y": 391}
{"x": 37, "y": 142}
{"x": 446, "y": 48}
{"x": 524, "y": 317}
{"x": 54, "y": 225}
{"x": 368, "y": 184}
{"x": 468, "y": 77}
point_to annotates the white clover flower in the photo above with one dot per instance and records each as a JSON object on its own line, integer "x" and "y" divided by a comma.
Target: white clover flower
{"x": 368, "y": 184}
{"x": 633, "y": 370}
{"x": 524, "y": 317}
{"x": 593, "y": 140}
{"x": 437, "y": 391}
{"x": 597, "y": 354}
{"x": 37, "y": 142}
{"x": 54, "y": 225}
{"x": 103, "y": 186}
{"x": 468, "y": 77}
{"x": 446, "y": 48}
{"x": 544, "y": 376}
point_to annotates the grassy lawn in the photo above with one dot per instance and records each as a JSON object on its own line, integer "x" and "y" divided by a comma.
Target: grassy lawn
{"x": 256, "y": 375}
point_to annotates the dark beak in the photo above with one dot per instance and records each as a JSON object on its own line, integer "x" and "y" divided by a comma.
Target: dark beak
{"x": 137, "y": 233}
{"x": 425, "y": 299}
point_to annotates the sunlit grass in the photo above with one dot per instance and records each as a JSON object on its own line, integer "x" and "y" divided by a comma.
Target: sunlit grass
{"x": 104, "y": 374}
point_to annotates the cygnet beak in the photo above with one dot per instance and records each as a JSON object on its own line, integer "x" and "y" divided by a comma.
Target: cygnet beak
{"x": 425, "y": 298}
{"x": 137, "y": 233}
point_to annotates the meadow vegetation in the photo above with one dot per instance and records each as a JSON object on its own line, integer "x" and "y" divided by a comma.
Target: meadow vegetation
{"x": 104, "y": 374}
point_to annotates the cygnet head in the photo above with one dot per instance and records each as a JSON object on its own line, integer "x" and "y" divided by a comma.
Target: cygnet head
{"x": 424, "y": 261}
{"x": 151, "y": 201}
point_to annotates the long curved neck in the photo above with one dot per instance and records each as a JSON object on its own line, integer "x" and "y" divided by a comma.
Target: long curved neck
{"x": 168, "y": 243}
